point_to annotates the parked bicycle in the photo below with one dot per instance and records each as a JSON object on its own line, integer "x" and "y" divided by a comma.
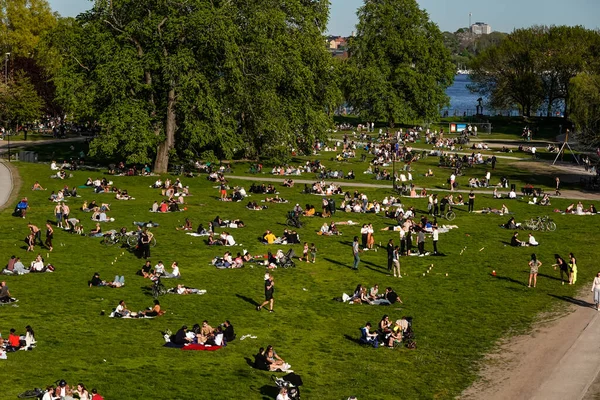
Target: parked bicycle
{"x": 544, "y": 223}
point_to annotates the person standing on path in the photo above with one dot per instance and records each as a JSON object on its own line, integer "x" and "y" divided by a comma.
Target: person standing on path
{"x": 471, "y": 201}
{"x": 390, "y": 254}
{"x": 269, "y": 289}
{"x": 355, "y": 252}
{"x": 49, "y": 236}
{"x": 557, "y": 186}
{"x": 493, "y": 162}
{"x": 534, "y": 265}
{"x": 572, "y": 269}
{"x": 488, "y": 176}
{"x": 596, "y": 290}
{"x": 396, "y": 261}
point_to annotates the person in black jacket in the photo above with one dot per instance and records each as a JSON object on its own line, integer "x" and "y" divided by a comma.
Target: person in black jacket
{"x": 228, "y": 331}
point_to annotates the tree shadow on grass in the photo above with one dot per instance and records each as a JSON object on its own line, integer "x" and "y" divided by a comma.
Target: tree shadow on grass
{"x": 572, "y": 300}
{"x": 247, "y": 300}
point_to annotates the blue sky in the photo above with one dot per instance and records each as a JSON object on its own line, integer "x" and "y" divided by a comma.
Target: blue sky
{"x": 504, "y": 15}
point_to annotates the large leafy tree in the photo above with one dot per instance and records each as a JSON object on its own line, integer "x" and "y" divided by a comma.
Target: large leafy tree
{"x": 400, "y": 67}
{"x": 19, "y": 101}
{"x": 196, "y": 77}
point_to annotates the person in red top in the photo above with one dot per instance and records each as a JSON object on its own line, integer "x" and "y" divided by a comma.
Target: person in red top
{"x": 95, "y": 395}
{"x": 13, "y": 340}
{"x": 164, "y": 207}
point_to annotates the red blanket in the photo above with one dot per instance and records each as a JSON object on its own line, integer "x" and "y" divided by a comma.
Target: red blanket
{"x": 201, "y": 347}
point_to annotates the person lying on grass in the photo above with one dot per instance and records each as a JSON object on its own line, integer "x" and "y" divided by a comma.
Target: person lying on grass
{"x": 180, "y": 289}
{"x": 227, "y": 261}
{"x": 96, "y": 281}
{"x": 255, "y": 207}
{"x": 275, "y": 199}
{"x": 175, "y": 272}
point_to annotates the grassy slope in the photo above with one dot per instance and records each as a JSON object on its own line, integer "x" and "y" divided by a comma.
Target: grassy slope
{"x": 457, "y": 318}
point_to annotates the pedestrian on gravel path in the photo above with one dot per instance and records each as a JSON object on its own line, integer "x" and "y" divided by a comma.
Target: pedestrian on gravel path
{"x": 596, "y": 290}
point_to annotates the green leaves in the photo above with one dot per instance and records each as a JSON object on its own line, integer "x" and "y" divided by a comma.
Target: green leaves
{"x": 216, "y": 76}
{"x": 399, "y": 66}
{"x": 19, "y": 101}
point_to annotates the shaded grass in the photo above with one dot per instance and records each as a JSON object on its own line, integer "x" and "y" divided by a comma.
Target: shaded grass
{"x": 457, "y": 319}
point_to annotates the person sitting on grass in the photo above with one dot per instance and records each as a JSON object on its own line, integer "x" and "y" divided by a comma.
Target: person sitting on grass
{"x": 96, "y": 231}
{"x": 5, "y": 296}
{"x": 515, "y": 242}
{"x": 396, "y": 334}
{"x": 154, "y": 311}
{"x": 175, "y": 273}
{"x": 146, "y": 271}
{"x": 269, "y": 237}
{"x": 532, "y": 241}
{"x": 121, "y": 310}
{"x": 37, "y": 265}
{"x": 187, "y": 226}
{"x": 511, "y": 224}
{"x": 274, "y": 361}
{"x": 368, "y": 337}
{"x": 37, "y": 186}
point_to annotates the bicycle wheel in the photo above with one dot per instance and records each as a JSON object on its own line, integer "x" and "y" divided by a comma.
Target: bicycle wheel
{"x": 551, "y": 226}
{"x": 108, "y": 240}
{"x": 31, "y": 394}
{"x": 153, "y": 242}
{"x": 132, "y": 240}
{"x": 290, "y": 222}
{"x": 450, "y": 215}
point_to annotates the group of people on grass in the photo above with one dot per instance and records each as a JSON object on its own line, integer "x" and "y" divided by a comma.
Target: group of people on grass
{"x": 64, "y": 392}
{"x": 387, "y": 333}
{"x": 16, "y": 342}
{"x": 204, "y": 334}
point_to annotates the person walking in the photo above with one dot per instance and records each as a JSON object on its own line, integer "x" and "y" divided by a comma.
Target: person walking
{"x": 269, "y": 289}
{"x": 494, "y": 160}
{"x": 557, "y": 186}
{"x": 390, "y": 254}
{"x": 596, "y": 290}
{"x": 355, "y": 252}
{"x": 452, "y": 179}
{"x": 534, "y": 265}
{"x": 49, "y": 236}
{"x": 471, "y": 201}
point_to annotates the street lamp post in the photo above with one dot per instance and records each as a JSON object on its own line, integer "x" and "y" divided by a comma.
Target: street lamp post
{"x": 6, "y": 56}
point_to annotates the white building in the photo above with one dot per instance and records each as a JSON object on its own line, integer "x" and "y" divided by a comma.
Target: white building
{"x": 481, "y": 28}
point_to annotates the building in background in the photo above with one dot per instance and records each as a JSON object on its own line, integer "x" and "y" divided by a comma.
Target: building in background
{"x": 337, "y": 46}
{"x": 481, "y": 28}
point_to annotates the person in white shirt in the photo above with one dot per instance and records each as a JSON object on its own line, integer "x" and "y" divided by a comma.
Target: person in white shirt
{"x": 452, "y": 179}
{"x": 122, "y": 308}
{"x": 435, "y": 238}
{"x": 532, "y": 241}
{"x": 159, "y": 269}
{"x": 512, "y": 195}
{"x": 175, "y": 273}
{"x": 596, "y": 290}
{"x": 53, "y": 166}
{"x": 229, "y": 241}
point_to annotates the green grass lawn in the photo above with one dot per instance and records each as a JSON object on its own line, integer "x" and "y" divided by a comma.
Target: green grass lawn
{"x": 457, "y": 318}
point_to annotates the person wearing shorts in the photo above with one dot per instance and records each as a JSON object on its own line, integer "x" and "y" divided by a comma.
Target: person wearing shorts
{"x": 269, "y": 289}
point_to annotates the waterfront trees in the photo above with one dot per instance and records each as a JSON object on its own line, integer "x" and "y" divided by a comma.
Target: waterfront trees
{"x": 399, "y": 67}
{"x": 533, "y": 67}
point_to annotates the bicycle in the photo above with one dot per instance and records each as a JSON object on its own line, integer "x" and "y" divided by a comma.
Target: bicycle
{"x": 36, "y": 393}
{"x": 133, "y": 240}
{"x": 158, "y": 289}
{"x": 111, "y": 239}
{"x": 293, "y": 220}
{"x": 449, "y": 215}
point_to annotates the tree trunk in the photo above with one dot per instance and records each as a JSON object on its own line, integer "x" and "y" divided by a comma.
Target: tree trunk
{"x": 161, "y": 163}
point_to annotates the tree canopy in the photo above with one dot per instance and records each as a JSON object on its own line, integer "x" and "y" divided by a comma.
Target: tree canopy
{"x": 532, "y": 67}
{"x": 164, "y": 77}
{"x": 399, "y": 66}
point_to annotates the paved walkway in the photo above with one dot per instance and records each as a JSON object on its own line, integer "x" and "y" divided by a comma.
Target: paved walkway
{"x": 577, "y": 370}
{"x": 6, "y": 184}
{"x": 565, "y": 194}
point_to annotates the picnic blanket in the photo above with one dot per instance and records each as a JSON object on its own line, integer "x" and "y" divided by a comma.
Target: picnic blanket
{"x": 201, "y": 347}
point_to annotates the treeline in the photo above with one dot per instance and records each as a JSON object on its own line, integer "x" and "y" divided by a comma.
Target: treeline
{"x": 216, "y": 79}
